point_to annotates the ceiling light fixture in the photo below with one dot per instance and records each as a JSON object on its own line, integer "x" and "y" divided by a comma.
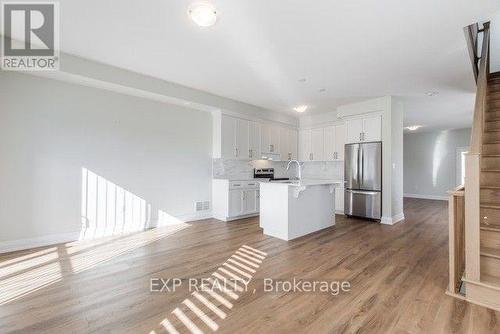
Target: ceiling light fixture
{"x": 322, "y": 90}
{"x": 413, "y": 127}
{"x": 303, "y": 80}
{"x": 431, "y": 94}
{"x": 203, "y": 13}
{"x": 300, "y": 108}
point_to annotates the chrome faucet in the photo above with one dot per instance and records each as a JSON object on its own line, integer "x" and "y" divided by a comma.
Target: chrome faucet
{"x": 298, "y": 165}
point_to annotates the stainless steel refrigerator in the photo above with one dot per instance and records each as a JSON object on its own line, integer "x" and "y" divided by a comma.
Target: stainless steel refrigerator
{"x": 363, "y": 180}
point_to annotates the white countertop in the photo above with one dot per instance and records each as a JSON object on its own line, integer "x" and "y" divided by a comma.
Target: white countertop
{"x": 306, "y": 182}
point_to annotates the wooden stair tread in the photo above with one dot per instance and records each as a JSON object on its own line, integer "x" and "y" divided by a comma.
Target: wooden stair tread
{"x": 490, "y": 187}
{"x": 493, "y": 120}
{"x": 490, "y": 280}
{"x": 493, "y": 130}
{"x": 492, "y": 142}
{"x": 491, "y": 170}
{"x": 491, "y": 228}
{"x": 491, "y": 155}
{"x": 490, "y": 252}
{"x": 489, "y": 205}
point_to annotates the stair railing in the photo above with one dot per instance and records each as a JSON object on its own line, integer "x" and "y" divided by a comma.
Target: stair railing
{"x": 473, "y": 166}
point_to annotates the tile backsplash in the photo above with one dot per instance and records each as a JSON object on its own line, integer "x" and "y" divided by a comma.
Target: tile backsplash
{"x": 239, "y": 169}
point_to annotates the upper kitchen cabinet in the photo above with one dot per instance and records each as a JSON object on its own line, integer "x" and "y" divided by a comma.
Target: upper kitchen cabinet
{"x": 305, "y": 145}
{"x": 372, "y": 128}
{"x": 228, "y": 137}
{"x": 270, "y": 138}
{"x": 242, "y": 142}
{"x": 311, "y": 145}
{"x": 364, "y": 129}
{"x": 235, "y": 138}
{"x": 317, "y": 144}
{"x": 334, "y": 141}
{"x": 293, "y": 144}
{"x": 288, "y": 144}
{"x": 254, "y": 140}
{"x": 239, "y": 138}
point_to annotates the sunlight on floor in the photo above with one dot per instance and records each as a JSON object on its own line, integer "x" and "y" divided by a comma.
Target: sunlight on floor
{"x": 20, "y": 276}
{"x": 207, "y": 306}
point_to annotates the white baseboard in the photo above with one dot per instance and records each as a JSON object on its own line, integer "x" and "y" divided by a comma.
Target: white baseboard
{"x": 53, "y": 239}
{"x": 46, "y": 240}
{"x": 392, "y": 220}
{"x": 434, "y": 197}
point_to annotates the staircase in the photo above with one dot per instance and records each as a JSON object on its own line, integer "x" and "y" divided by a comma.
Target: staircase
{"x": 490, "y": 186}
{"x": 474, "y": 209}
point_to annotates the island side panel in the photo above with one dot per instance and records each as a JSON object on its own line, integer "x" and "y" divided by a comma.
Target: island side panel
{"x": 274, "y": 210}
{"x": 312, "y": 211}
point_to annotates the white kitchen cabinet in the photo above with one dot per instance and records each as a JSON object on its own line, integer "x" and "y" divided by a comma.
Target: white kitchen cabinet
{"x": 372, "y": 128}
{"x": 339, "y": 200}
{"x": 270, "y": 138}
{"x": 317, "y": 144}
{"x": 235, "y": 203}
{"x": 364, "y": 129}
{"x": 284, "y": 144}
{"x": 311, "y": 145}
{"x": 334, "y": 141}
{"x": 274, "y": 138}
{"x": 234, "y": 199}
{"x": 249, "y": 201}
{"x": 293, "y": 144}
{"x": 228, "y": 137}
{"x": 305, "y": 145}
{"x": 329, "y": 146}
{"x": 238, "y": 138}
{"x": 354, "y": 130}
{"x": 339, "y": 142}
{"x": 254, "y": 140}
{"x": 242, "y": 142}
{"x": 288, "y": 144}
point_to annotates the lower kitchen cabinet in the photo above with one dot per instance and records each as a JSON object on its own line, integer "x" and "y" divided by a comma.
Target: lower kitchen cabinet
{"x": 339, "y": 200}
{"x": 234, "y": 199}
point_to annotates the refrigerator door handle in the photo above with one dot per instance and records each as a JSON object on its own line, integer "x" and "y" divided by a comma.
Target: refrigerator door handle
{"x": 364, "y": 192}
{"x": 361, "y": 181}
{"x": 358, "y": 167}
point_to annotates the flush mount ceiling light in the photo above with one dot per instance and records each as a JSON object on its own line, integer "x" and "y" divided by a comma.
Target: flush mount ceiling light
{"x": 302, "y": 80}
{"x": 413, "y": 127}
{"x": 203, "y": 13}
{"x": 300, "y": 108}
{"x": 431, "y": 94}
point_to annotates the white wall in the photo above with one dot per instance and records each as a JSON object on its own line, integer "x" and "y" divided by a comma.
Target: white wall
{"x": 430, "y": 161}
{"x": 50, "y": 130}
{"x": 495, "y": 44}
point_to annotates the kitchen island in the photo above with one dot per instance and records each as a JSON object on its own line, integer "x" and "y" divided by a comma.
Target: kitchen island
{"x": 292, "y": 209}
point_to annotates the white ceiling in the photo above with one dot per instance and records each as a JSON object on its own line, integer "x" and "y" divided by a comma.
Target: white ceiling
{"x": 259, "y": 49}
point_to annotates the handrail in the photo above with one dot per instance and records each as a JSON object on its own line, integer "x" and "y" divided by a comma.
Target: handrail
{"x": 473, "y": 168}
{"x": 482, "y": 85}
{"x": 471, "y": 34}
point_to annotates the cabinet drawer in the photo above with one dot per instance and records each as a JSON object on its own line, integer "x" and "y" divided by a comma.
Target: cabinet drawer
{"x": 243, "y": 185}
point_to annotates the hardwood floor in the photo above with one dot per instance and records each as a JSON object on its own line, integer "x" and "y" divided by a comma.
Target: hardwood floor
{"x": 398, "y": 276}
